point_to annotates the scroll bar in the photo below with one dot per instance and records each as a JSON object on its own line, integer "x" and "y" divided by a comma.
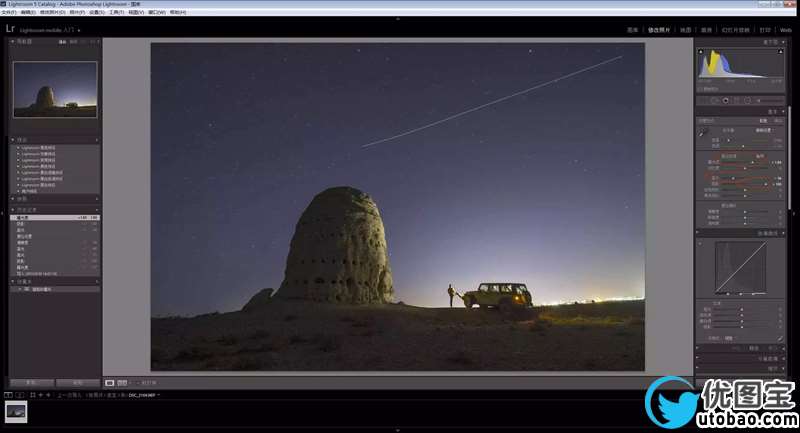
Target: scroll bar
{"x": 789, "y": 156}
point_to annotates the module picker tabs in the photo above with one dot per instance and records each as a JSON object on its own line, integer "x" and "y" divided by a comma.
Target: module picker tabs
{"x": 53, "y": 113}
{"x": 741, "y": 206}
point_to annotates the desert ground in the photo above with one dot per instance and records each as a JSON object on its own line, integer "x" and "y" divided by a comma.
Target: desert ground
{"x": 86, "y": 111}
{"x": 290, "y": 335}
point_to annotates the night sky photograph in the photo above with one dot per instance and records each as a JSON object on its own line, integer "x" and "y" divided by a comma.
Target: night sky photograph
{"x": 489, "y": 162}
{"x": 70, "y": 81}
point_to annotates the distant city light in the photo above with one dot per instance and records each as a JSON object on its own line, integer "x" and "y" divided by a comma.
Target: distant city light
{"x": 589, "y": 301}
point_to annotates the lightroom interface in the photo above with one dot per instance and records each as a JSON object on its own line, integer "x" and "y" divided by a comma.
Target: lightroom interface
{"x": 429, "y": 205}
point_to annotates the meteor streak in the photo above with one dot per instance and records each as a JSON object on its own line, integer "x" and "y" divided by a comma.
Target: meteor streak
{"x": 490, "y": 103}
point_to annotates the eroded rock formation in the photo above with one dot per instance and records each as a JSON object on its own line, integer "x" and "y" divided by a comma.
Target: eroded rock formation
{"x": 259, "y": 300}
{"x": 45, "y": 98}
{"x": 338, "y": 251}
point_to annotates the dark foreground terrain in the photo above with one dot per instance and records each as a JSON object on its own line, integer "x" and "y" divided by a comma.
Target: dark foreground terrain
{"x": 87, "y": 111}
{"x": 302, "y": 336}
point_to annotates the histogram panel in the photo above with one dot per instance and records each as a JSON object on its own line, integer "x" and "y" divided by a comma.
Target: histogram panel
{"x": 741, "y": 70}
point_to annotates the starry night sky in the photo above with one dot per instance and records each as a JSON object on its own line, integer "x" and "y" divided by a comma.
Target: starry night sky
{"x": 71, "y": 82}
{"x": 545, "y": 188}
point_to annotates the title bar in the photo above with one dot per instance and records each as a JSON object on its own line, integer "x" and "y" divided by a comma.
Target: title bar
{"x": 401, "y": 8}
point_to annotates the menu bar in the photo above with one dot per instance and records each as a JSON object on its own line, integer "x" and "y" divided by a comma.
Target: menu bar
{"x": 401, "y": 8}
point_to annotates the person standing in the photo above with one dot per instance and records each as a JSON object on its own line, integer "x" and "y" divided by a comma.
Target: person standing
{"x": 451, "y": 291}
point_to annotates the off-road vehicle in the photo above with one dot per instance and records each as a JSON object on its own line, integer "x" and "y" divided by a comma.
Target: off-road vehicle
{"x": 505, "y": 296}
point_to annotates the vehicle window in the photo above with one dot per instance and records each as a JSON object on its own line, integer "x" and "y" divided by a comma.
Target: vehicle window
{"x": 482, "y": 288}
{"x": 493, "y": 287}
{"x": 505, "y": 288}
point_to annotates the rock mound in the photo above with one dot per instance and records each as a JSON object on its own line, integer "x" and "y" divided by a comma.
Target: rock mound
{"x": 259, "y": 299}
{"x": 45, "y": 98}
{"x": 338, "y": 252}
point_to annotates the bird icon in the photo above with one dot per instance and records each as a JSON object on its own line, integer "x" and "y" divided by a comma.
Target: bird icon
{"x": 677, "y": 413}
{"x": 680, "y": 413}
